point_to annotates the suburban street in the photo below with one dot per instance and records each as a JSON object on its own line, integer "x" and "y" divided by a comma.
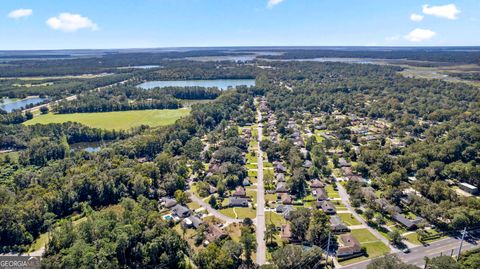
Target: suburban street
{"x": 417, "y": 254}
{"x": 260, "y": 231}
{"x": 345, "y": 199}
{"x": 213, "y": 211}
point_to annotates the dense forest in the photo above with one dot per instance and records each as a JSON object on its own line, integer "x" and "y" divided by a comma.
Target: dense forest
{"x": 130, "y": 97}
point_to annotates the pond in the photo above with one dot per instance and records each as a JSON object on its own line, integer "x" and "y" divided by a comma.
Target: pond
{"x": 222, "y": 84}
{"x": 11, "y": 104}
{"x": 87, "y": 146}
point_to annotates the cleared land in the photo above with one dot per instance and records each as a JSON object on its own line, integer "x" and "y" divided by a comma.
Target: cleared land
{"x": 116, "y": 120}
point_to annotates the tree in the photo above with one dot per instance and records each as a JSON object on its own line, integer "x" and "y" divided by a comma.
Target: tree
{"x": 248, "y": 240}
{"x": 297, "y": 182}
{"x": 28, "y": 115}
{"x": 395, "y": 237}
{"x": 212, "y": 201}
{"x": 319, "y": 228}
{"x": 389, "y": 262}
{"x": 270, "y": 233}
{"x": 299, "y": 223}
{"x": 441, "y": 262}
{"x": 287, "y": 257}
{"x": 181, "y": 197}
{"x": 44, "y": 109}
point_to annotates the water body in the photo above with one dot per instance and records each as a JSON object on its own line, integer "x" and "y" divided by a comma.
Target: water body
{"x": 11, "y": 104}
{"x": 87, "y": 146}
{"x": 144, "y": 66}
{"x": 222, "y": 84}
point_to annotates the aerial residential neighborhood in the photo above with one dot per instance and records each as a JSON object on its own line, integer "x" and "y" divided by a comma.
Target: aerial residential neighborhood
{"x": 240, "y": 134}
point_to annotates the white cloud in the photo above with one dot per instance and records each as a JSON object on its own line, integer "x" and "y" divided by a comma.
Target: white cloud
{"x": 416, "y": 17}
{"x": 272, "y": 3}
{"x": 419, "y": 35}
{"x": 449, "y": 11}
{"x": 20, "y": 13}
{"x": 69, "y": 22}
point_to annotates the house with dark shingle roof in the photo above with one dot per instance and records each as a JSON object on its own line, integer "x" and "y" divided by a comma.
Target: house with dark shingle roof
{"x": 327, "y": 207}
{"x": 281, "y": 187}
{"x": 237, "y": 202}
{"x": 410, "y": 224}
{"x": 349, "y": 245}
{"x": 181, "y": 211}
{"x": 337, "y": 224}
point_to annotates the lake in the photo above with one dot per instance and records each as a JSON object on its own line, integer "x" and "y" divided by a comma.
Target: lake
{"x": 87, "y": 146}
{"x": 222, "y": 84}
{"x": 11, "y": 104}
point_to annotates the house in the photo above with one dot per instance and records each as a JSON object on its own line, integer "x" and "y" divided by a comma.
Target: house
{"x": 343, "y": 163}
{"x": 212, "y": 189}
{"x": 307, "y": 164}
{"x": 169, "y": 202}
{"x": 246, "y": 182}
{"x": 287, "y": 214}
{"x": 337, "y": 225}
{"x": 321, "y": 194}
{"x": 286, "y": 199}
{"x": 181, "y": 211}
{"x": 410, "y": 224}
{"x": 237, "y": 201}
{"x": 240, "y": 192}
{"x": 281, "y": 187}
{"x": 316, "y": 184}
{"x": 214, "y": 233}
{"x": 349, "y": 245}
{"x": 285, "y": 232}
{"x": 347, "y": 171}
{"x": 327, "y": 207}
{"x": 280, "y": 177}
{"x": 283, "y": 208}
{"x": 279, "y": 168}
{"x": 468, "y": 188}
{"x": 192, "y": 222}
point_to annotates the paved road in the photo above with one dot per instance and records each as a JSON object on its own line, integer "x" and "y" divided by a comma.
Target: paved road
{"x": 345, "y": 199}
{"x": 417, "y": 254}
{"x": 260, "y": 232}
{"x": 213, "y": 211}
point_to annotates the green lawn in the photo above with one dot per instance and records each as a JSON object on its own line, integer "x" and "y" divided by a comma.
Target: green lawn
{"x": 348, "y": 219}
{"x": 272, "y": 217}
{"x": 245, "y": 212}
{"x": 242, "y": 212}
{"x": 331, "y": 192}
{"x": 363, "y": 235}
{"x": 116, "y": 120}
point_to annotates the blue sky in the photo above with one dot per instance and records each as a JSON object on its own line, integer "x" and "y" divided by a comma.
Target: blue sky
{"x": 76, "y": 24}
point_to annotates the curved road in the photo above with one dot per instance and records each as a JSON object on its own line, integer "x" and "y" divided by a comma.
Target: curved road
{"x": 213, "y": 211}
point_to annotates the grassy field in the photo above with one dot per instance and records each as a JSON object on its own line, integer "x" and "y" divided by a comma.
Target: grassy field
{"x": 116, "y": 120}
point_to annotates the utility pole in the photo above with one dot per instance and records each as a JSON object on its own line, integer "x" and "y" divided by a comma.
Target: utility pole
{"x": 328, "y": 247}
{"x": 464, "y": 232}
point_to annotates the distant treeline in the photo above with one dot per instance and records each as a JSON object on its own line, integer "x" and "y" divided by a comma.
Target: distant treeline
{"x": 426, "y": 54}
{"x": 123, "y": 98}
{"x": 108, "y": 63}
